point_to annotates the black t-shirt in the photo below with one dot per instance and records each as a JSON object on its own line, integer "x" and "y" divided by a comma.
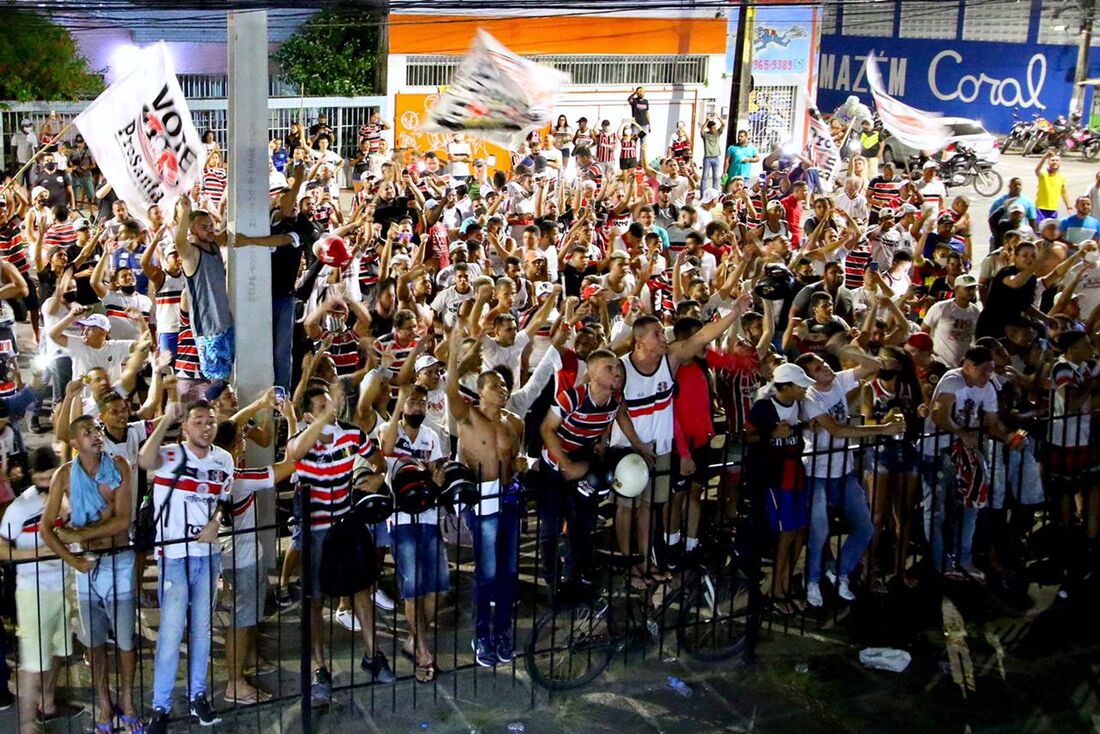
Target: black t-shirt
{"x": 572, "y": 279}
{"x": 391, "y": 212}
{"x": 639, "y": 110}
{"x": 286, "y": 260}
{"x": 85, "y": 294}
{"x": 774, "y": 462}
{"x": 57, "y": 183}
{"x": 1004, "y": 303}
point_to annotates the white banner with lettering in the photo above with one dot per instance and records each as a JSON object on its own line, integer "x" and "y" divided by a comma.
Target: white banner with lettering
{"x": 822, "y": 150}
{"x": 141, "y": 135}
{"x": 496, "y": 94}
{"x": 915, "y": 128}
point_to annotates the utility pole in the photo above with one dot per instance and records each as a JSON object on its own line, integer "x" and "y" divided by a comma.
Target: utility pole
{"x": 250, "y": 267}
{"x": 738, "y": 95}
{"x": 1077, "y": 104}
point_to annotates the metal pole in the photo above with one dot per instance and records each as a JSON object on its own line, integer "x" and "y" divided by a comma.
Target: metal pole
{"x": 739, "y": 72}
{"x": 1077, "y": 104}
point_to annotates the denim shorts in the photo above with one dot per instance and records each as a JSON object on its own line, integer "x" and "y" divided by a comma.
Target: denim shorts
{"x": 248, "y": 585}
{"x": 106, "y": 600}
{"x": 313, "y": 573}
{"x": 421, "y": 560}
{"x": 894, "y": 457}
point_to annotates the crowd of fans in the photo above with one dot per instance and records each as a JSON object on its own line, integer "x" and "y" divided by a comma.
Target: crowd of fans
{"x": 759, "y": 338}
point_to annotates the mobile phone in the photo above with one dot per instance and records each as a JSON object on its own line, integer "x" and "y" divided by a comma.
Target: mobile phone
{"x": 280, "y": 393}
{"x": 873, "y": 266}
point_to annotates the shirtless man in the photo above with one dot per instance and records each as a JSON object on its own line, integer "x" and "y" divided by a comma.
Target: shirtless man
{"x": 99, "y": 519}
{"x": 489, "y": 444}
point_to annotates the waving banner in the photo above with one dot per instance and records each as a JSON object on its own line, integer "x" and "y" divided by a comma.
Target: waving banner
{"x": 142, "y": 137}
{"x": 822, "y": 150}
{"x": 916, "y": 128}
{"x": 496, "y": 94}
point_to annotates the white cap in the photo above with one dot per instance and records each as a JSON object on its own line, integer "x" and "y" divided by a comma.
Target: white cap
{"x": 424, "y": 361}
{"x": 929, "y": 164}
{"x": 543, "y": 288}
{"x": 788, "y": 372}
{"x": 710, "y": 195}
{"x": 38, "y": 190}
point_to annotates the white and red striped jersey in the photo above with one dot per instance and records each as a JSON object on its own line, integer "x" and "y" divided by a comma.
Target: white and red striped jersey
{"x": 202, "y": 484}
{"x": 187, "y": 352}
{"x": 21, "y": 526}
{"x": 1067, "y": 427}
{"x": 213, "y": 184}
{"x": 168, "y": 303}
{"x": 629, "y": 149}
{"x": 605, "y": 146}
{"x": 373, "y": 135}
{"x": 648, "y": 401}
{"x": 388, "y": 343}
{"x": 583, "y": 422}
{"x": 11, "y": 245}
{"x": 60, "y": 234}
{"x": 115, "y": 304}
{"x": 344, "y": 350}
{"x": 240, "y": 550}
{"x": 325, "y": 472}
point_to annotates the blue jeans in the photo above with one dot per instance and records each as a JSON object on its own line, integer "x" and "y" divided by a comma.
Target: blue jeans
{"x": 496, "y": 546}
{"x": 186, "y": 600}
{"x": 282, "y": 338}
{"x": 169, "y": 342}
{"x": 942, "y": 506}
{"x": 710, "y": 173}
{"x": 844, "y": 490}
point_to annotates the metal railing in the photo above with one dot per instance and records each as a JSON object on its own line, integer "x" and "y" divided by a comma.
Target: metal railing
{"x": 580, "y": 601}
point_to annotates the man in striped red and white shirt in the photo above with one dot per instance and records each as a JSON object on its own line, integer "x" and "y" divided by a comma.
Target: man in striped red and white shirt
{"x": 607, "y": 142}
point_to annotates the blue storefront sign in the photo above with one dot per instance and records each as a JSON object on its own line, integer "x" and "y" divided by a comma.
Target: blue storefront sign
{"x": 975, "y": 79}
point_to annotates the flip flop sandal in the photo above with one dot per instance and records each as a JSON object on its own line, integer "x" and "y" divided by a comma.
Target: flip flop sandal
{"x": 425, "y": 673}
{"x": 250, "y": 699}
{"x": 105, "y": 727}
{"x": 640, "y": 577}
{"x": 133, "y": 724}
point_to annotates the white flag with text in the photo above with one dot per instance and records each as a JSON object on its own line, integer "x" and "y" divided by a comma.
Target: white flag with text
{"x": 141, "y": 135}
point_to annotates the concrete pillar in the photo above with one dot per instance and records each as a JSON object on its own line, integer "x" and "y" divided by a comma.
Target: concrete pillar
{"x": 250, "y": 267}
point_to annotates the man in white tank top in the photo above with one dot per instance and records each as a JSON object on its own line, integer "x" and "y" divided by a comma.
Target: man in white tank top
{"x": 647, "y": 394}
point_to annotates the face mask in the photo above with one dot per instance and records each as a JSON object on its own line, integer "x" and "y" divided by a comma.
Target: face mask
{"x": 128, "y": 289}
{"x": 887, "y": 374}
{"x": 414, "y": 420}
{"x": 334, "y": 324}
{"x": 51, "y": 167}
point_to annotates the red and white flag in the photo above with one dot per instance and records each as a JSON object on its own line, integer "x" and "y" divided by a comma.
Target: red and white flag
{"x": 915, "y": 128}
{"x": 822, "y": 150}
{"x": 141, "y": 135}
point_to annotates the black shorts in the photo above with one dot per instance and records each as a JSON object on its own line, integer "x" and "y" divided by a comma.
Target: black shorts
{"x": 626, "y": 164}
{"x": 705, "y": 457}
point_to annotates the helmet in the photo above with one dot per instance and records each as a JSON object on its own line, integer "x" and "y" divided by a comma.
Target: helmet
{"x": 631, "y": 475}
{"x": 778, "y": 283}
{"x": 459, "y": 486}
{"x": 413, "y": 488}
{"x": 598, "y": 481}
{"x": 332, "y": 251}
{"x": 376, "y": 505}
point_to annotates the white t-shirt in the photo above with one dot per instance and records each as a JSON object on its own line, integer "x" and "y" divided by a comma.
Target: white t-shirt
{"x": 1071, "y": 432}
{"x": 968, "y": 411}
{"x": 494, "y": 355}
{"x": 459, "y": 168}
{"x": 448, "y": 301}
{"x": 426, "y": 448}
{"x": 681, "y": 185}
{"x": 112, "y": 357}
{"x": 240, "y": 550}
{"x": 20, "y": 526}
{"x": 128, "y": 449}
{"x": 828, "y": 456}
{"x": 952, "y": 328}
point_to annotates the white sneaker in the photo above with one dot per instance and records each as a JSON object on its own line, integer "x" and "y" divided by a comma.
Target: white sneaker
{"x": 813, "y": 595}
{"x": 842, "y": 589}
{"x": 830, "y": 575}
{"x": 382, "y": 601}
{"x": 348, "y": 620}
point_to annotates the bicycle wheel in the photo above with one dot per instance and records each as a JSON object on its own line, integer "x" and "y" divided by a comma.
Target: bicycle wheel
{"x": 569, "y": 647}
{"x": 987, "y": 182}
{"x": 714, "y": 615}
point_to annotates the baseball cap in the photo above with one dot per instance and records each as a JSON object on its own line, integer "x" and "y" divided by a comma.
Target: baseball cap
{"x": 966, "y": 280}
{"x": 466, "y": 224}
{"x": 945, "y": 218}
{"x": 214, "y": 391}
{"x": 929, "y": 164}
{"x": 774, "y": 204}
{"x": 921, "y": 341}
{"x": 424, "y": 361}
{"x": 887, "y": 213}
{"x": 38, "y": 191}
{"x": 788, "y": 372}
{"x": 96, "y": 320}
{"x": 591, "y": 291}
{"x": 907, "y": 209}
{"x": 456, "y": 246}
{"x": 710, "y": 195}
{"x": 81, "y": 224}
{"x": 543, "y": 288}
{"x": 1017, "y": 208}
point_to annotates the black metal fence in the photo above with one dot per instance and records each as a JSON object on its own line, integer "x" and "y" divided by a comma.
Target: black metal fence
{"x": 578, "y": 590}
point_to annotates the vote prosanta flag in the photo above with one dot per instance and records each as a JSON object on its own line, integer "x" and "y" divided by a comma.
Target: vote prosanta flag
{"x": 141, "y": 135}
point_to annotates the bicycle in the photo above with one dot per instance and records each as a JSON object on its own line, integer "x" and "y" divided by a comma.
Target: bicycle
{"x": 572, "y": 643}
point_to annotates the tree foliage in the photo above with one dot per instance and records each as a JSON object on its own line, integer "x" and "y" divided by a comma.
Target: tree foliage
{"x": 40, "y": 60}
{"x": 335, "y": 53}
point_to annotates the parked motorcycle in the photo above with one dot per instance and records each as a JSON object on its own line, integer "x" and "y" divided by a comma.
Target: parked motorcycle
{"x": 1051, "y": 135}
{"x": 1019, "y": 133}
{"x": 963, "y": 167}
